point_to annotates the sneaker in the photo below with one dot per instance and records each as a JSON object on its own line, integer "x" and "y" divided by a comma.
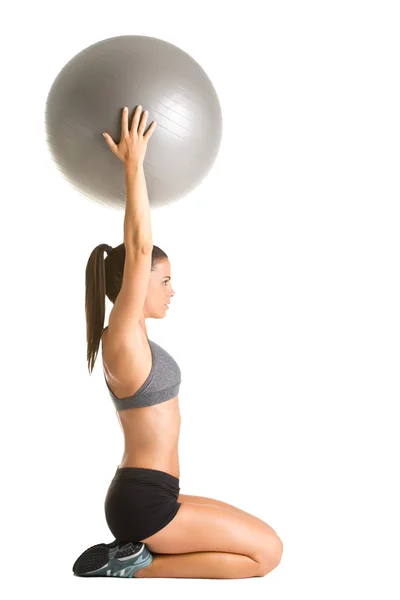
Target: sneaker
{"x": 113, "y": 560}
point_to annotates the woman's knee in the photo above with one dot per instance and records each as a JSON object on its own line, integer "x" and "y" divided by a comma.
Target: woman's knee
{"x": 272, "y": 554}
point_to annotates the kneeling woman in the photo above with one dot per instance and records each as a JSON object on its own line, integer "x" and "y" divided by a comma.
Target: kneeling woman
{"x": 159, "y": 532}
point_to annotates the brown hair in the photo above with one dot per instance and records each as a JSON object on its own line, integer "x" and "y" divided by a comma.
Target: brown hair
{"x": 104, "y": 278}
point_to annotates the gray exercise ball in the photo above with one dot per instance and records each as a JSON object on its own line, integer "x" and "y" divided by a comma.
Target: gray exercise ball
{"x": 87, "y": 98}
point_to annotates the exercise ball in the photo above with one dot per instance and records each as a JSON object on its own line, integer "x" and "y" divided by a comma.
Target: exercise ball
{"x": 87, "y": 98}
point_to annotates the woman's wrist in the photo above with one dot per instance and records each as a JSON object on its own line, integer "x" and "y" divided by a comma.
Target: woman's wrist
{"x": 132, "y": 167}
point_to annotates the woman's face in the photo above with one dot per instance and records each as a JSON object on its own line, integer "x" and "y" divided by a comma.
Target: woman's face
{"x": 160, "y": 290}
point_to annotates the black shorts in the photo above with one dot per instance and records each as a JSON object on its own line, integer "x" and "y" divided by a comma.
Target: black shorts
{"x": 140, "y": 502}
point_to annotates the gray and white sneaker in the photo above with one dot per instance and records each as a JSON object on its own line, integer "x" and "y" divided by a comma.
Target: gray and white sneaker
{"x": 113, "y": 560}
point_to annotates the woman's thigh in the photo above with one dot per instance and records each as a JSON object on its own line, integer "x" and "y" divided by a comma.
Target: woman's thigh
{"x": 185, "y": 498}
{"x": 202, "y": 528}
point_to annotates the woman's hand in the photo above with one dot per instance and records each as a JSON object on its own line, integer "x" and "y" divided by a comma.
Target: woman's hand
{"x": 133, "y": 144}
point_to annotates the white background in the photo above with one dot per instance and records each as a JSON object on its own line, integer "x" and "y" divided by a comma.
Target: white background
{"x": 285, "y": 322}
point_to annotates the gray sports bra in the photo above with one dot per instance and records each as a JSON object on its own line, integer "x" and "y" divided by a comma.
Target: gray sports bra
{"x": 162, "y": 383}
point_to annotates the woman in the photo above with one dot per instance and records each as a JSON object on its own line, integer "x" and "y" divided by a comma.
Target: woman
{"x": 159, "y": 532}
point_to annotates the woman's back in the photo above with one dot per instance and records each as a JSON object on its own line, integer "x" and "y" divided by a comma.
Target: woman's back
{"x": 144, "y": 387}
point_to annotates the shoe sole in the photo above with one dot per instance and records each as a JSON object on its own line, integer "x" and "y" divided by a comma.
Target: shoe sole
{"x": 100, "y": 556}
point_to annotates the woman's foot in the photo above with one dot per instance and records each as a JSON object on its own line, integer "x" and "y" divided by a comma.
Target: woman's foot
{"x": 117, "y": 559}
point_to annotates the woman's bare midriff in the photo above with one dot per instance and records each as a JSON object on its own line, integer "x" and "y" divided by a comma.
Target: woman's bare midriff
{"x": 151, "y": 433}
{"x": 151, "y": 436}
